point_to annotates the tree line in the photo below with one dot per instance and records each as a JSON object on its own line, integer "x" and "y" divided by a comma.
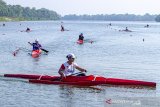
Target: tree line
{"x": 113, "y": 17}
{"x": 158, "y": 18}
{"x": 26, "y": 13}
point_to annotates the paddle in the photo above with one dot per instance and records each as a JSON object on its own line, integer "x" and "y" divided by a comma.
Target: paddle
{"x": 78, "y": 73}
{"x": 20, "y": 48}
{"x": 66, "y": 30}
{"x": 44, "y": 50}
{"x": 24, "y": 49}
{"x": 61, "y": 79}
{"x": 88, "y": 40}
{"x": 16, "y": 52}
{"x": 41, "y": 48}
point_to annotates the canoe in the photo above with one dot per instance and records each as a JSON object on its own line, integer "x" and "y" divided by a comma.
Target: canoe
{"x": 80, "y": 80}
{"x": 36, "y": 53}
{"x": 80, "y": 41}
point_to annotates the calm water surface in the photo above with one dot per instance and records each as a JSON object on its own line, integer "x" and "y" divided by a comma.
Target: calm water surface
{"x": 112, "y": 54}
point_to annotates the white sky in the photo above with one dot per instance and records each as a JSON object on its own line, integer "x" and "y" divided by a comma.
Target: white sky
{"x": 65, "y": 7}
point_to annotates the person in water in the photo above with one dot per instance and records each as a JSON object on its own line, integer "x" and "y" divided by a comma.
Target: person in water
{"x": 126, "y": 29}
{"x": 36, "y": 46}
{"x": 143, "y": 39}
{"x": 147, "y": 26}
{"x": 62, "y": 28}
{"x": 68, "y": 68}
{"x": 28, "y": 29}
{"x": 81, "y": 37}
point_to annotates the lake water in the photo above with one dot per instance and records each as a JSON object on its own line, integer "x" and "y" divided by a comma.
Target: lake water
{"x": 112, "y": 54}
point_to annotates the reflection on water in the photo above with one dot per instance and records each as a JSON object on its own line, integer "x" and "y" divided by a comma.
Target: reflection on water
{"x": 129, "y": 87}
{"x": 72, "y": 95}
{"x": 36, "y": 60}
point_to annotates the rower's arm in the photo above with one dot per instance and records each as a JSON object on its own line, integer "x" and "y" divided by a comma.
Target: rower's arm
{"x": 61, "y": 70}
{"x": 81, "y": 69}
{"x": 40, "y": 46}
{"x": 61, "y": 74}
{"x": 30, "y": 43}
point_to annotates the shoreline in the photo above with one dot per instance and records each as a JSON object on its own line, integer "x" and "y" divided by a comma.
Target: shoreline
{"x": 8, "y": 19}
{"x": 11, "y": 19}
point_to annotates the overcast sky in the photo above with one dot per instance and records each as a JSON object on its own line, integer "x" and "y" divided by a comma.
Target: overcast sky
{"x": 65, "y": 7}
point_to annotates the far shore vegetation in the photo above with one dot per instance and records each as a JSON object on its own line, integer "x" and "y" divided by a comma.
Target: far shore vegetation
{"x": 11, "y": 19}
{"x": 19, "y": 13}
{"x": 112, "y": 17}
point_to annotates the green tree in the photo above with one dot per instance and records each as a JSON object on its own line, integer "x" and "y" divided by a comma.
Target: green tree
{"x": 3, "y": 8}
{"x": 17, "y": 11}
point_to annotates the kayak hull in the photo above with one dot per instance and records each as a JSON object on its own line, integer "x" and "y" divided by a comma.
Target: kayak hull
{"x": 80, "y": 83}
{"x": 80, "y": 80}
{"x": 36, "y": 53}
{"x": 80, "y": 41}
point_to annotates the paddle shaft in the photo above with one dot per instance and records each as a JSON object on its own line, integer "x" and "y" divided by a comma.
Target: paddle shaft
{"x": 76, "y": 73}
{"x": 44, "y": 50}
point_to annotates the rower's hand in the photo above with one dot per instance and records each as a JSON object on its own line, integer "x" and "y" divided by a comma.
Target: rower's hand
{"x": 84, "y": 70}
{"x": 63, "y": 76}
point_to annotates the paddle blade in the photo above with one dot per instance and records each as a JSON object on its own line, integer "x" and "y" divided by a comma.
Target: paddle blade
{"x": 16, "y": 52}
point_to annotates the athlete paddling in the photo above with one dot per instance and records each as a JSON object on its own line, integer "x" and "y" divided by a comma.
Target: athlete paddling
{"x": 68, "y": 68}
{"x": 62, "y": 28}
{"x": 28, "y": 29}
{"x": 36, "y": 46}
{"x": 126, "y": 30}
{"x": 81, "y": 37}
{"x": 147, "y": 26}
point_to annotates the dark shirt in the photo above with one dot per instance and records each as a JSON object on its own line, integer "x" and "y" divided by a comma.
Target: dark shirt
{"x": 81, "y": 37}
{"x": 36, "y": 46}
{"x": 28, "y": 29}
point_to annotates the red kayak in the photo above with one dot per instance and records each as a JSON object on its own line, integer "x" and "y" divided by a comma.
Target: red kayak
{"x": 36, "y": 53}
{"x": 80, "y": 41}
{"x": 79, "y": 83}
{"x": 90, "y": 80}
